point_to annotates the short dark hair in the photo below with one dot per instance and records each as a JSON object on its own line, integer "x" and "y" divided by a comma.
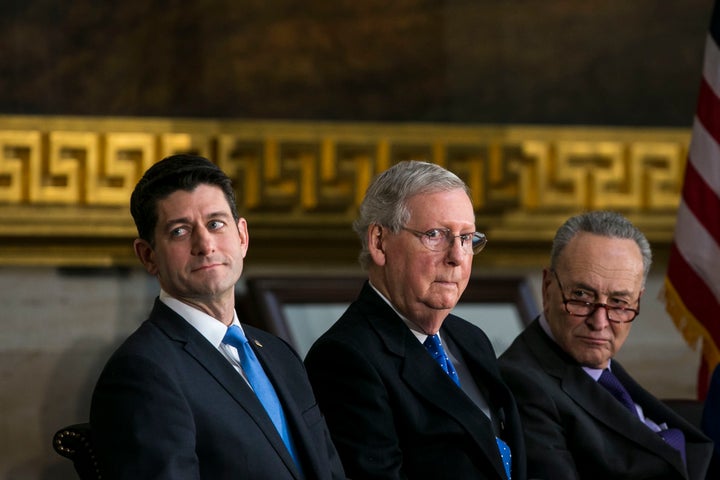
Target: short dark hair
{"x": 173, "y": 173}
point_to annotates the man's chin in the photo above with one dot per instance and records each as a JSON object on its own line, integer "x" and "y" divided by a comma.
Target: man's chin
{"x": 593, "y": 362}
{"x": 444, "y": 304}
{"x": 209, "y": 290}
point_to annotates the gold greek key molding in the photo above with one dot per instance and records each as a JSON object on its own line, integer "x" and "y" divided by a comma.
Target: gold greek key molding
{"x": 65, "y": 182}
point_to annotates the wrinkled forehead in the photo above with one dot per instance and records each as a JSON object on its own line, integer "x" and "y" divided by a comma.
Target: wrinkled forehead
{"x": 443, "y": 206}
{"x": 609, "y": 260}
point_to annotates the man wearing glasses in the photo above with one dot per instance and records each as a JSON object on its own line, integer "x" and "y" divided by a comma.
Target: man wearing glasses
{"x": 408, "y": 389}
{"x": 583, "y": 416}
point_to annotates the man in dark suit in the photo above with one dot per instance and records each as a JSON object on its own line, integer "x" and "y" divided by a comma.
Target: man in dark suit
{"x": 409, "y": 390}
{"x": 193, "y": 394}
{"x": 583, "y": 416}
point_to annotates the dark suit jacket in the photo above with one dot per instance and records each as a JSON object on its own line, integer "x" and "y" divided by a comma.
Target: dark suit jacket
{"x": 575, "y": 429}
{"x": 711, "y": 422}
{"x": 168, "y": 405}
{"x": 393, "y": 413}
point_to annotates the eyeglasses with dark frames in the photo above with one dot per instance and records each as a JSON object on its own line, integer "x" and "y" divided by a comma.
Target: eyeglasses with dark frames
{"x": 441, "y": 240}
{"x": 579, "y": 308}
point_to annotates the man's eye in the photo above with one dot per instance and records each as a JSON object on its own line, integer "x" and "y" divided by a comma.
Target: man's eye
{"x": 435, "y": 233}
{"x": 178, "y": 232}
{"x": 581, "y": 294}
{"x": 216, "y": 224}
{"x": 618, "y": 302}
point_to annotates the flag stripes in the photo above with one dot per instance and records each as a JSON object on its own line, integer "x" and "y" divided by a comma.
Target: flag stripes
{"x": 692, "y": 283}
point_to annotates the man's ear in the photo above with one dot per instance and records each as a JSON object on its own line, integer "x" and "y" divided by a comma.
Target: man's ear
{"x": 547, "y": 279}
{"x": 375, "y": 241}
{"x": 146, "y": 255}
{"x": 244, "y": 235}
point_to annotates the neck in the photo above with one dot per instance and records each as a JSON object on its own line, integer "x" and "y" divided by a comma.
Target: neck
{"x": 428, "y": 326}
{"x": 219, "y": 310}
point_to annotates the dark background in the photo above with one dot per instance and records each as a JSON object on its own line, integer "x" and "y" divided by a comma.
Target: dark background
{"x": 599, "y": 62}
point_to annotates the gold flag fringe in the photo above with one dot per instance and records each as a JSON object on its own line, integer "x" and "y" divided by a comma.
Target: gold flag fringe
{"x": 691, "y": 329}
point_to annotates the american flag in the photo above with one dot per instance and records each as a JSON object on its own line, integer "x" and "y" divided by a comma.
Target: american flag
{"x": 692, "y": 283}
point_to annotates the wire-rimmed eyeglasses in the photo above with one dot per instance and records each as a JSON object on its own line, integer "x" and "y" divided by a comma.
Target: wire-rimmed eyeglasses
{"x": 441, "y": 240}
{"x": 579, "y": 308}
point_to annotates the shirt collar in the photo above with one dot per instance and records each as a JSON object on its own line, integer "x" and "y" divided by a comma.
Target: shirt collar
{"x": 419, "y": 334}
{"x": 209, "y": 327}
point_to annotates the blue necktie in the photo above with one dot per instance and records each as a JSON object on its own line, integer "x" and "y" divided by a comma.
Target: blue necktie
{"x": 261, "y": 385}
{"x": 506, "y": 456}
{"x": 673, "y": 436}
{"x": 433, "y": 345}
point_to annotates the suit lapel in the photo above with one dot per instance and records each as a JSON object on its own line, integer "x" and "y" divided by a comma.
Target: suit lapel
{"x": 596, "y": 400}
{"x": 197, "y": 347}
{"x": 657, "y": 412}
{"x": 600, "y": 404}
{"x": 423, "y": 375}
{"x": 293, "y": 413}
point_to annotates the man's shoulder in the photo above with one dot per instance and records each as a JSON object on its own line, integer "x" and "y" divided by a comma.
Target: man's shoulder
{"x": 161, "y": 336}
{"x": 265, "y": 338}
{"x": 529, "y": 354}
{"x": 458, "y": 324}
{"x": 353, "y": 330}
{"x": 357, "y": 319}
{"x": 148, "y": 340}
{"x": 465, "y": 333}
{"x": 518, "y": 349}
{"x": 364, "y": 331}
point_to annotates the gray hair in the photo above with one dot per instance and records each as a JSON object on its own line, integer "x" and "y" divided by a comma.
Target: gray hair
{"x": 386, "y": 198}
{"x": 603, "y": 223}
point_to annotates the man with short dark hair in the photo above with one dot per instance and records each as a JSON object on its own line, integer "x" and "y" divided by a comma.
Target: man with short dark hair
{"x": 193, "y": 393}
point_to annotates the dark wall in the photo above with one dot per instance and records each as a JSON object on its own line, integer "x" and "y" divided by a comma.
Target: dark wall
{"x": 614, "y": 62}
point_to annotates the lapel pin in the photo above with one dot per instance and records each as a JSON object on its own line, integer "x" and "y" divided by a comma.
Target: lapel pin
{"x": 257, "y": 342}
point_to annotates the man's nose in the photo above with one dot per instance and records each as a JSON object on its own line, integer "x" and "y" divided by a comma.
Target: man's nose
{"x": 202, "y": 242}
{"x": 599, "y": 319}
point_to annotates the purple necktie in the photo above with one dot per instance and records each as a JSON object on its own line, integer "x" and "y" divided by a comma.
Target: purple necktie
{"x": 676, "y": 439}
{"x": 673, "y": 436}
{"x": 613, "y": 385}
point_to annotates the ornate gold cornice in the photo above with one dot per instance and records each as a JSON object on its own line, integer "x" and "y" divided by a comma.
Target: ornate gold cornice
{"x": 65, "y": 181}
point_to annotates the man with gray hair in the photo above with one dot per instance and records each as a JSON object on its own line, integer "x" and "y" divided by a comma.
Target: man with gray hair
{"x": 583, "y": 415}
{"x": 408, "y": 389}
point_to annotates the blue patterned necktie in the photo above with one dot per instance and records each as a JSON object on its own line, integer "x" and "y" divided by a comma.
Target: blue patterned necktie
{"x": 433, "y": 345}
{"x": 506, "y": 456}
{"x": 260, "y": 383}
{"x": 673, "y": 436}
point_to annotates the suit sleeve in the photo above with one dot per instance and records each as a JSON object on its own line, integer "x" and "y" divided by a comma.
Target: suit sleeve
{"x": 142, "y": 426}
{"x": 356, "y": 406}
{"x": 548, "y": 455}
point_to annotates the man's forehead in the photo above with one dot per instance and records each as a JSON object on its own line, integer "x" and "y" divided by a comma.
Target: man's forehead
{"x": 209, "y": 201}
